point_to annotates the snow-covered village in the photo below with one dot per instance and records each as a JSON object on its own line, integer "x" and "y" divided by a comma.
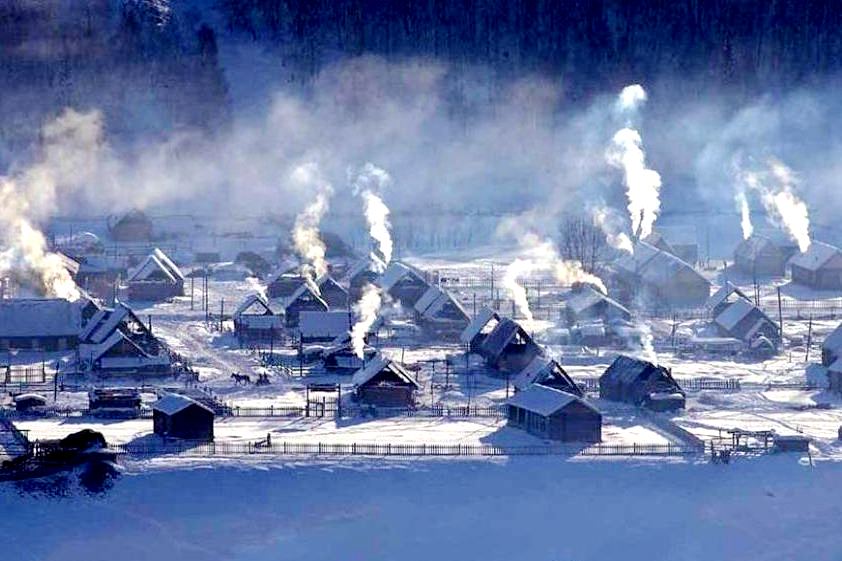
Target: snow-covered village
{"x": 291, "y": 280}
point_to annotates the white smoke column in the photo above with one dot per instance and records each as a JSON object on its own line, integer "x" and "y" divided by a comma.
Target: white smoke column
{"x": 631, "y": 98}
{"x": 642, "y": 184}
{"x": 369, "y": 181}
{"x": 570, "y": 272}
{"x": 305, "y": 232}
{"x": 71, "y": 154}
{"x": 745, "y": 215}
{"x": 776, "y": 186}
{"x": 647, "y": 347}
{"x": 367, "y": 308}
{"x": 615, "y": 238}
{"x": 514, "y": 271}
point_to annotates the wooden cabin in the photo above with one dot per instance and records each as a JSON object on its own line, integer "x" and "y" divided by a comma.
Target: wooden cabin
{"x": 819, "y": 268}
{"x": 404, "y": 283}
{"x": 333, "y": 293}
{"x": 39, "y": 324}
{"x": 134, "y": 226}
{"x": 178, "y": 416}
{"x": 284, "y": 284}
{"x": 509, "y": 347}
{"x": 156, "y": 278}
{"x": 727, "y": 294}
{"x": 760, "y": 257}
{"x": 341, "y": 358}
{"x": 254, "y": 320}
{"x": 440, "y": 314}
{"x": 100, "y": 274}
{"x": 547, "y": 372}
{"x": 385, "y": 383}
{"x": 658, "y": 279}
{"x": 304, "y": 299}
{"x": 553, "y": 414}
{"x": 744, "y": 321}
{"x": 587, "y": 303}
{"x": 323, "y": 327}
{"x": 478, "y": 330}
{"x": 639, "y": 382}
{"x": 363, "y": 273}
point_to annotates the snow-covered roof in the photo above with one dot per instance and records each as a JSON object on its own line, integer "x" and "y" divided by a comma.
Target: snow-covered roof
{"x": 373, "y": 264}
{"x": 540, "y": 369}
{"x": 255, "y": 299}
{"x": 816, "y": 256}
{"x": 477, "y": 324}
{"x": 734, "y": 314}
{"x": 147, "y": 268}
{"x": 110, "y": 324}
{"x": 169, "y": 264}
{"x": 723, "y": 293}
{"x": 501, "y": 336}
{"x": 395, "y": 273}
{"x": 628, "y": 369}
{"x": 39, "y": 317}
{"x": 543, "y": 400}
{"x": 324, "y": 324}
{"x": 378, "y": 364}
{"x": 172, "y": 403}
{"x": 655, "y": 266}
{"x": 305, "y": 288}
{"x": 93, "y": 323}
{"x": 833, "y": 342}
{"x": 30, "y": 397}
{"x": 434, "y": 300}
{"x": 587, "y": 296}
{"x": 755, "y": 246}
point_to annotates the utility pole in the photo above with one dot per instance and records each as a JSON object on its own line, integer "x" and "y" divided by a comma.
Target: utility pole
{"x": 780, "y": 315}
{"x": 809, "y": 338}
{"x": 192, "y": 282}
{"x": 221, "y": 313}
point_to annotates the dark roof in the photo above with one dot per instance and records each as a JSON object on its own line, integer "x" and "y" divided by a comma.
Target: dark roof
{"x": 500, "y": 337}
{"x": 627, "y": 370}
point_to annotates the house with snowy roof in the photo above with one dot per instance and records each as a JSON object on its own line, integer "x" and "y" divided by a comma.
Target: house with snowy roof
{"x": 658, "y": 279}
{"x": 363, "y": 273}
{"x": 323, "y": 327}
{"x": 178, "y": 416}
{"x": 509, "y": 347}
{"x": 285, "y": 283}
{"x": 341, "y": 358}
{"x": 333, "y": 293}
{"x": 404, "y": 283}
{"x": 99, "y": 274}
{"x": 819, "y": 268}
{"x": 726, "y": 295}
{"x": 554, "y": 414}
{"x": 440, "y": 314}
{"x": 481, "y": 325}
{"x": 759, "y": 256}
{"x": 133, "y": 226}
{"x": 547, "y": 372}
{"x": 832, "y": 347}
{"x": 384, "y": 382}
{"x": 39, "y": 324}
{"x": 155, "y": 278}
{"x": 255, "y": 320}
{"x": 744, "y": 321}
{"x": 640, "y": 382}
{"x": 586, "y": 303}
{"x": 304, "y": 299}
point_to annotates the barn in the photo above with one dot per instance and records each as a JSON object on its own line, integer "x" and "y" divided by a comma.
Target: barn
{"x": 363, "y": 273}
{"x": 546, "y": 372}
{"x": 404, "y": 283}
{"x": 744, "y": 321}
{"x": 384, "y": 383}
{"x": 156, "y": 278}
{"x": 758, "y": 256}
{"x": 323, "y": 327}
{"x": 39, "y": 324}
{"x": 304, "y": 299}
{"x": 639, "y": 382}
{"x": 658, "y": 279}
{"x": 134, "y": 226}
{"x": 440, "y": 314}
{"x": 254, "y": 320}
{"x": 554, "y": 415}
{"x": 586, "y": 303}
{"x": 177, "y": 416}
{"x": 509, "y": 347}
{"x": 819, "y": 268}
{"x": 483, "y": 323}
{"x": 333, "y": 293}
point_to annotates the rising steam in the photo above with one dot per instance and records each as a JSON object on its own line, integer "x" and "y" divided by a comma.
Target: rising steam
{"x": 305, "y": 232}
{"x": 614, "y": 235}
{"x": 745, "y": 215}
{"x": 367, "y": 309}
{"x": 514, "y": 271}
{"x": 647, "y": 347}
{"x": 776, "y": 185}
{"x": 370, "y": 181}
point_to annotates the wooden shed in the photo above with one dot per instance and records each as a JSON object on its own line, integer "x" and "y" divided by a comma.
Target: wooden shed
{"x": 178, "y": 416}
{"x": 285, "y": 283}
{"x": 404, "y": 283}
{"x": 639, "y": 382}
{"x": 819, "y": 268}
{"x": 509, "y": 347}
{"x": 555, "y": 415}
{"x": 333, "y": 293}
{"x": 29, "y": 402}
{"x": 114, "y": 402}
{"x": 546, "y": 372}
{"x": 726, "y": 295}
{"x": 744, "y": 321}
{"x": 255, "y": 321}
{"x": 440, "y": 314}
{"x": 586, "y": 303}
{"x": 341, "y": 358}
{"x": 384, "y": 383}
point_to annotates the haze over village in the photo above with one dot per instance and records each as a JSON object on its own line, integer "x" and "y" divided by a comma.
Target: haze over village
{"x": 317, "y": 280}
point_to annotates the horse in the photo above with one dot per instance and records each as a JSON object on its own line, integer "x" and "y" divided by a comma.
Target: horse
{"x": 238, "y": 378}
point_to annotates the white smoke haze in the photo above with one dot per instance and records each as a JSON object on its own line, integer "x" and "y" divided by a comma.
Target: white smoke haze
{"x": 367, "y": 309}
{"x": 643, "y": 185}
{"x": 745, "y": 215}
{"x": 370, "y": 181}
{"x": 776, "y": 185}
{"x": 610, "y": 226}
{"x": 305, "y": 232}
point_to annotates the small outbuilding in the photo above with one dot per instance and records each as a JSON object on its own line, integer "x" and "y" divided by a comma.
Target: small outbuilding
{"x": 440, "y": 314}
{"x": 386, "y": 383}
{"x": 819, "y": 268}
{"x": 640, "y": 382}
{"x": 726, "y": 295}
{"x": 178, "y": 416}
{"x": 586, "y": 303}
{"x": 255, "y": 321}
{"x": 114, "y": 402}
{"x": 555, "y": 415}
{"x": 744, "y": 321}
{"x": 341, "y": 358}
{"x": 29, "y": 402}
{"x": 509, "y": 347}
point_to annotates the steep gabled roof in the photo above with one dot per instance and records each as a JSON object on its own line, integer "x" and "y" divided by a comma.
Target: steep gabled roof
{"x": 627, "y": 369}
{"x": 545, "y": 401}
{"x": 755, "y": 246}
{"x": 377, "y": 365}
{"x": 816, "y": 256}
{"x": 433, "y": 301}
{"x": 500, "y": 337}
{"x": 148, "y": 267}
{"x": 172, "y": 403}
{"x": 483, "y": 317}
{"x": 833, "y": 342}
{"x": 540, "y": 370}
{"x": 587, "y": 296}
{"x": 724, "y": 292}
{"x": 734, "y": 314}
{"x": 302, "y": 290}
{"x": 395, "y": 273}
{"x": 255, "y": 300}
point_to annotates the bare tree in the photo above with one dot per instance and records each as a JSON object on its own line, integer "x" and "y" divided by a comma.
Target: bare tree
{"x": 581, "y": 240}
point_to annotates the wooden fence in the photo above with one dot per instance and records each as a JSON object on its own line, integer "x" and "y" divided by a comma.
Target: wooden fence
{"x": 210, "y": 449}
